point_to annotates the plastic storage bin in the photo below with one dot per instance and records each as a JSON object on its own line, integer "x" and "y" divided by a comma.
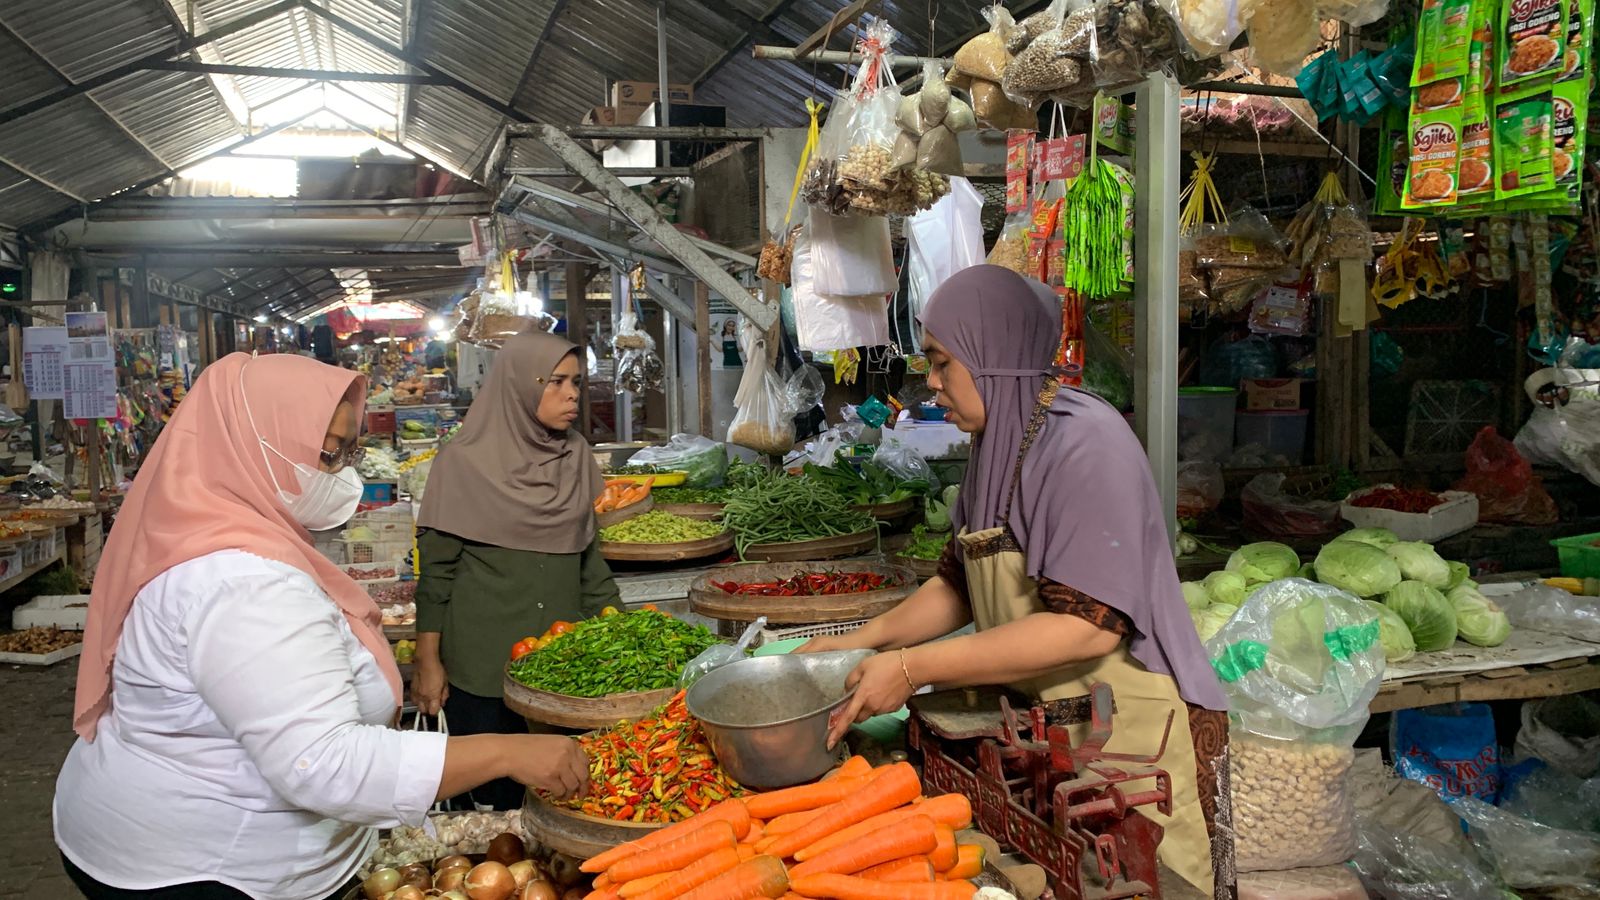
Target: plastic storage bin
{"x": 1205, "y": 422}
{"x": 1281, "y": 432}
{"x": 1580, "y": 555}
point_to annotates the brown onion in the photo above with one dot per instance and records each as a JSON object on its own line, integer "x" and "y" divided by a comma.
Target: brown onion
{"x": 564, "y": 870}
{"x": 381, "y": 884}
{"x": 451, "y": 862}
{"x": 523, "y": 872}
{"x": 490, "y": 881}
{"x": 538, "y": 890}
{"x": 417, "y": 874}
{"x": 453, "y": 895}
{"x": 575, "y": 894}
{"x": 450, "y": 879}
{"x": 506, "y": 848}
{"x": 408, "y": 892}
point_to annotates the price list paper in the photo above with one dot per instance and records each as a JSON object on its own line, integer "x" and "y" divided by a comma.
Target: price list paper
{"x": 91, "y": 373}
{"x": 44, "y": 349}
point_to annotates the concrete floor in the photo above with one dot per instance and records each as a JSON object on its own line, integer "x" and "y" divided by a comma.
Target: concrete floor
{"x": 35, "y": 734}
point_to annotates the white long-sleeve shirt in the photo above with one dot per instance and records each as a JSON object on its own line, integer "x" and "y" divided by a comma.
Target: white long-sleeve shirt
{"x": 248, "y": 741}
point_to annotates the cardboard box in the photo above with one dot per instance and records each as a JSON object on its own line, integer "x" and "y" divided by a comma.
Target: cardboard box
{"x": 602, "y": 115}
{"x": 1267, "y": 394}
{"x": 631, "y": 97}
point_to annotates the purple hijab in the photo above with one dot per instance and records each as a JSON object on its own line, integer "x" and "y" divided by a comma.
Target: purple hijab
{"x": 1086, "y": 511}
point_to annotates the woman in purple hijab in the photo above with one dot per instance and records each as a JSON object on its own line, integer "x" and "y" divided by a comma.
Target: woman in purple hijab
{"x": 1062, "y": 560}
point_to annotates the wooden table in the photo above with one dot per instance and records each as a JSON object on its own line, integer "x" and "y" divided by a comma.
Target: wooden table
{"x": 1511, "y": 682}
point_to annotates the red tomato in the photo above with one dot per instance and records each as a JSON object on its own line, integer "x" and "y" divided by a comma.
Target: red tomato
{"x": 522, "y": 648}
{"x": 561, "y": 628}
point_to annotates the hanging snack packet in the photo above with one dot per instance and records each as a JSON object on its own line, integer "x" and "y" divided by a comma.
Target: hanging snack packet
{"x": 1475, "y": 180}
{"x": 985, "y": 56}
{"x": 1580, "y": 25}
{"x": 1435, "y": 151}
{"x": 1394, "y": 160}
{"x": 1531, "y": 40}
{"x": 1443, "y": 34}
{"x": 1523, "y": 145}
{"x": 1569, "y": 128}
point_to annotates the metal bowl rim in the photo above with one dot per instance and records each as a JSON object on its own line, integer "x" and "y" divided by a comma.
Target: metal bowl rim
{"x": 688, "y": 702}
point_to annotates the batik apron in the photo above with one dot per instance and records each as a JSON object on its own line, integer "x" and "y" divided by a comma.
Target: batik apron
{"x": 1001, "y": 591}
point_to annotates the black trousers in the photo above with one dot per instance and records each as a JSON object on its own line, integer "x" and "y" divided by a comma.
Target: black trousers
{"x": 199, "y": 890}
{"x": 472, "y": 714}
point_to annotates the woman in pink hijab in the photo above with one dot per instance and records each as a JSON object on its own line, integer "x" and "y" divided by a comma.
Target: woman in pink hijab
{"x": 236, "y": 692}
{"x": 1061, "y": 560}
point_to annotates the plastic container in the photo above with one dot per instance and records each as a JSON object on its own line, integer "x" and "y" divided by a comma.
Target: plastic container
{"x": 1580, "y": 555}
{"x": 1281, "y": 431}
{"x": 1456, "y": 514}
{"x": 1205, "y": 422}
{"x": 380, "y": 492}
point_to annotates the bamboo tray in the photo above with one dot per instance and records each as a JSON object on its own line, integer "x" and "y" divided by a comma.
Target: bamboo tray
{"x": 819, "y": 549}
{"x": 618, "y": 516}
{"x": 712, "y": 603}
{"x": 574, "y": 833}
{"x": 586, "y": 713}
{"x": 619, "y": 551}
{"x": 704, "y": 512}
{"x": 924, "y": 569}
{"x": 889, "y": 512}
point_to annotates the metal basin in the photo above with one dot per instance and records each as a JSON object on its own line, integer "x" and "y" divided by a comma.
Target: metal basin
{"x": 767, "y": 717}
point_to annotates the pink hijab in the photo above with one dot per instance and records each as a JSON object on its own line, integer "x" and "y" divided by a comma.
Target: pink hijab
{"x": 205, "y": 487}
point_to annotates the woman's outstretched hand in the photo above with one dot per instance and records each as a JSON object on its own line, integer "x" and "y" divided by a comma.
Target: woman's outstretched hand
{"x": 550, "y": 763}
{"x": 880, "y": 686}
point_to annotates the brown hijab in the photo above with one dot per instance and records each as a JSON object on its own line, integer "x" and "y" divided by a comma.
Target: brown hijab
{"x": 506, "y": 479}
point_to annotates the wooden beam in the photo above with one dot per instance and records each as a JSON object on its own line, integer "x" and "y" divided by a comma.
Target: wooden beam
{"x": 820, "y": 37}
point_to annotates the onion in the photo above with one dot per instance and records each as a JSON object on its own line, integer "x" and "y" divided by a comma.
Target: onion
{"x": 507, "y": 848}
{"x": 450, "y": 879}
{"x": 574, "y": 894}
{"x": 381, "y": 884}
{"x": 490, "y": 881}
{"x": 564, "y": 870}
{"x": 417, "y": 874}
{"x": 452, "y": 862}
{"x": 523, "y": 872}
{"x": 408, "y": 892}
{"x": 453, "y": 895}
{"x": 538, "y": 890}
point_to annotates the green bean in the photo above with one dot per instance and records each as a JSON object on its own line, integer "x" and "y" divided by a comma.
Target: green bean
{"x": 781, "y": 509}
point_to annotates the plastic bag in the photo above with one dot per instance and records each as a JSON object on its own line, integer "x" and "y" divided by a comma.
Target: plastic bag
{"x": 719, "y": 655}
{"x": 1135, "y": 37}
{"x": 1107, "y": 369}
{"x": 1564, "y": 732}
{"x": 842, "y": 437}
{"x": 1396, "y": 864}
{"x": 639, "y": 367}
{"x": 851, "y": 257}
{"x": 1246, "y": 241}
{"x": 1228, "y": 363}
{"x": 1210, "y": 26}
{"x": 703, "y": 460}
{"x": 1057, "y": 59}
{"x": 804, "y": 388}
{"x": 1282, "y": 34}
{"x": 1270, "y": 511}
{"x": 824, "y": 322}
{"x": 1322, "y": 883}
{"x": 1200, "y": 488}
{"x": 1010, "y": 249}
{"x": 1508, "y": 491}
{"x": 1543, "y": 794}
{"x": 1527, "y": 855}
{"x": 994, "y": 109}
{"x": 762, "y": 421}
{"x": 498, "y": 317}
{"x": 1291, "y": 802}
{"x": 1545, "y": 608}
{"x": 904, "y": 463}
{"x": 1564, "y": 427}
{"x": 1449, "y": 748}
{"x": 1384, "y": 798}
{"x": 943, "y": 240}
{"x": 986, "y": 56}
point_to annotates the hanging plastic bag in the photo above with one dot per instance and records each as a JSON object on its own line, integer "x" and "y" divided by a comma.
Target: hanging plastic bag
{"x": 804, "y": 388}
{"x": 852, "y": 256}
{"x": 1282, "y": 34}
{"x": 1135, "y": 37}
{"x": 777, "y": 255}
{"x": 703, "y": 460}
{"x": 1210, "y": 26}
{"x": 1508, "y": 490}
{"x": 639, "y": 367}
{"x": 762, "y": 422}
{"x": 942, "y": 241}
{"x": 1564, "y": 427}
{"x": 832, "y": 323}
{"x": 1055, "y": 61}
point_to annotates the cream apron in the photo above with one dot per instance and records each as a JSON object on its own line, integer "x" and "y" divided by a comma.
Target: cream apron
{"x": 1002, "y": 592}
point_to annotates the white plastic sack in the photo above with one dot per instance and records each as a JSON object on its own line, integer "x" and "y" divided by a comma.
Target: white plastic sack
{"x": 1568, "y": 434}
{"x": 942, "y": 241}
{"x": 852, "y": 255}
{"x": 1564, "y": 732}
{"x": 825, "y": 322}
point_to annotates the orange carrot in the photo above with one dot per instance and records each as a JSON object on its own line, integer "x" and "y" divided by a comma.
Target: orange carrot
{"x": 673, "y": 856}
{"x": 854, "y": 767}
{"x": 915, "y": 836}
{"x": 731, "y": 811}
{"x": 603, "y": 894}
{"x": 969, "y": 863}
{"x": 910, "y": 869}
{"x": 954, "y": 810}
{"x": 756, "y": 835}
{"x": 945, "y": 856}
{"x": 760, "y": 877}
{"x": 892, "y": 789}
{"x": 695, "y": 874}
{"x": 747, "y": 852}
{"x": 789, "y": 822}
{"x": 602, "y": 883}
{"x": 643, "y": 885}
{"x": 844, "y": 887}
{"x": 802, "y": 798}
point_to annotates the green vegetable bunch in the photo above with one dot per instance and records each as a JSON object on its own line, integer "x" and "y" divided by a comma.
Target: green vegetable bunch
{"x": 657, "y": 527}
{"x": 635, "y": 651}
{"x": 780, "y": 509}
{"x": 686, "y": 495}
{"x": 925, "y": 544}
{"x": 865, "y": 482}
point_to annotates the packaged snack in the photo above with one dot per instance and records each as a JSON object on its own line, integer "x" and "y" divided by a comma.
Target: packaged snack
{"x": 1442, "y": 94}
{"x": 1569, "y": 124}
{"x": 1444, "y": 33}
{"x": 1282, "y": 34}
{"x": 1580, "y": 25}
{"x": 1475, "y": 176}
{"x": 1530, "y": 41}
{"x": 985, "y": 56}
{"x": 1435, "y": 151}
{"x": 1523, "y": 144}
{"x": 1394, "y": 160}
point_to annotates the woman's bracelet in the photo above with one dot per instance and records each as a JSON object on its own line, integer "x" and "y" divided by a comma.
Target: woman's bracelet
{"x": 905, "y": 671}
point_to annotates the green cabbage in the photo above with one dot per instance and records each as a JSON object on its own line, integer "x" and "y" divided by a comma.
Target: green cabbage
{"x": 1375, "y": 537}
{"x": 1419, "y": 562}
{"x": 1264, "y": 562}
{"x": 1426, "y": 612}
{"x": 1195, "y": 595}
{"x": 1308, "y": 572}
{"x": 1227, "y": 587}
{"x": 1478, "y": 619}
{"x": 1357, "y": 567}
{"x": 1209, "y": 621}
{"x": 1460, "y": 573}
{"x": 1398, "y": 644}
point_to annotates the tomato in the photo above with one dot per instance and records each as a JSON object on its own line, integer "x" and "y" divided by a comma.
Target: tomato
{"x": 560, "y": 628}
{"x": 651, "y": 607}
{"x": 522, "y": 648}
{"x": 608, "y": 612}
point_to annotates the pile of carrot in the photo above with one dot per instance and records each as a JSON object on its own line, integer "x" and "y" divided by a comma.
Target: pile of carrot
{"x": 621, "y": 493}
{"x": 859, "y": 834}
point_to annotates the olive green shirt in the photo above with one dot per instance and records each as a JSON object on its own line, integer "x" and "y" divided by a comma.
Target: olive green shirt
{"x": 482, "y": 599}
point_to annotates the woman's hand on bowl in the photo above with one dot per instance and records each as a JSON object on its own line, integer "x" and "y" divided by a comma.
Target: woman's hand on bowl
{"x": 880, "y": 687}
{"x": 829, "y": 643}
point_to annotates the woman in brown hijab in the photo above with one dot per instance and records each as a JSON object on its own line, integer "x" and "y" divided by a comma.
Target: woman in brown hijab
{"x": 507, "y": 539}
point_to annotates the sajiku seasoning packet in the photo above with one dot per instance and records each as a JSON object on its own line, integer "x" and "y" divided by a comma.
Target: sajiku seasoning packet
{"x": 1523, "y": 144}
{"x": 1531, "y": 40}
{"x": 1569, "y": 123}
{"x": 1435, "y": 152}
{"x": 1443, "y": 33}
{"x": 1580, "y": 28}
{"x": 1475, "y": 181}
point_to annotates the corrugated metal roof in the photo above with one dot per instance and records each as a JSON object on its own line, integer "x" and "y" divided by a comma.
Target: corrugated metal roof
{"x": 176, "y": 114}
{"x": 486, "y": 43}
{"x": 86, "y": 37}
{"x": 25, "y": 77}
{"x": 23, "y": 200}
{"x": 73, "y": 146}
{"x": 449, "y": 127}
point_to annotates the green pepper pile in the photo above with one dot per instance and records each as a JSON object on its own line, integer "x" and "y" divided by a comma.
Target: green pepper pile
{"x": 781, "y": 509}
{"x": 634, "y": 651}
{"x": 687, "y": 495}
{"x": 657, "y": 527}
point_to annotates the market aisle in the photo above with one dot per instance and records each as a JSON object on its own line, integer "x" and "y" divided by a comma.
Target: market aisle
{"x": 35, "y": 734}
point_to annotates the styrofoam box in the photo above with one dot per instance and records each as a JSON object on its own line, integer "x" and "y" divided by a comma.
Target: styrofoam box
{"x": 60, "y": 610}
{"x": 1458, "y": 513}
{"x": 41, "y": 659}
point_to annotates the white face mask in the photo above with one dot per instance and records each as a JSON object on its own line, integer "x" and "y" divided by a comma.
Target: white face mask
{"x": 326, "y": 499}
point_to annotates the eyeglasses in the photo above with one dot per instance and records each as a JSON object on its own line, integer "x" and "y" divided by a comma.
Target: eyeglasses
{"x": 338, "y": 459}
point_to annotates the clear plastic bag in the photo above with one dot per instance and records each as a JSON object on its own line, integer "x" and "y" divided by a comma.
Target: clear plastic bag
{"x": 852, "y": 256}
{"x": 1545, "y": 608}
{"x": 704, "y": 461}
{"x": 804, "y": 388}
{"x": 1246, "y": 241}
{"x": 1200, "y": 488}
{"x": 1010, "y": 250}
{"x": 985, "y": 56}
{"x": 1396, "y": 864}
{"x": 1269, "y": 510}
{"x": 1554, "y": 798}
{"x": 994, "y": 109}
{"x": 1564, "y": 732}
{"x": 825, "y": 452}
{"x": 762, "y": 421}
{"x": 1291, "y": 802}
{"x": 1282, "y": 34}
{"x": 824, "y": 322}
{"x": 1057, "y": 59}
{"x": 1107, "y": 369}
{"x": 639, "y": 367}
{"x": 1210, "y": 26}
{"x": 497, "y": 318}
{"x": 1135, "y": 37}
{"x": 1527, "y": 855}
{"x": 904, "y": 463}
{"x": 1320, "y": 883}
